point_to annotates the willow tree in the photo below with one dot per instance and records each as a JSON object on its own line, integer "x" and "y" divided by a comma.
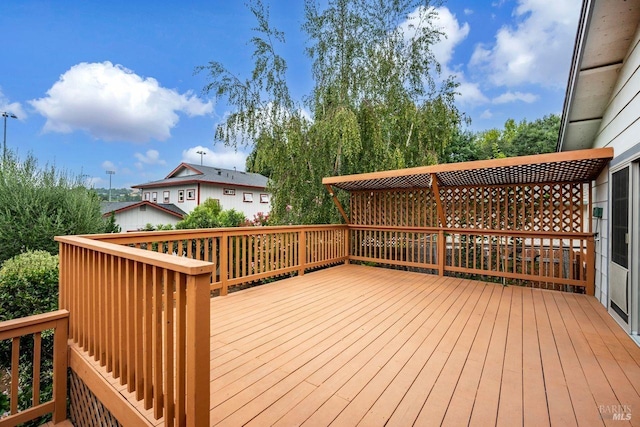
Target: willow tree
{"x": 379, "y": 101}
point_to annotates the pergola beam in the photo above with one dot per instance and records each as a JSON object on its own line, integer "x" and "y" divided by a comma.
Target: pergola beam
{"x": 337, "y": 203}
{"x": 436, "y": 194}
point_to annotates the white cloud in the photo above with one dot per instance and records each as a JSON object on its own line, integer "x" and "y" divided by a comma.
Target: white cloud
{"x": 223, "y": 157}
{"x": 11, "y": 107}
{"x": 536, "y": 50}
{"x": 468, "y": 11}
{"x": 111, "y": 102}
{"x": 486, "y": 114}
{"x": 447, "y": 23}
{"x": 454, "y": 34}
{"x": 108, "y": 165}
{"x": 470, "y": 93}
{"x": 508, "y": 97}
{"x": 151, "y": 157}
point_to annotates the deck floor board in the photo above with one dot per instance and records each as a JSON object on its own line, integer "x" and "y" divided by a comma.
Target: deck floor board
{"x": 354, "y": 345}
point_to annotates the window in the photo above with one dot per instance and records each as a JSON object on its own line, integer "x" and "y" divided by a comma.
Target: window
{"x": 247, "y": 197}
{"x": 191, "y": 194}
{"x": 147, "y": 196}
{"x": 166, "y": 197}
{"x": 180, "y": 196}
{"x": 143, "y": 208}
{"x": 154, "y": 196}
{"x": 620, "y": 217}
{"x": 229, "y": 192}
{"x": 264, "y": 198}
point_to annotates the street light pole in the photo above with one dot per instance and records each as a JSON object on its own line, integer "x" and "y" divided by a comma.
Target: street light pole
{"x": 4, "y": 144}
{"x": 110, "y": 173}
{"x": 202, "y": 153}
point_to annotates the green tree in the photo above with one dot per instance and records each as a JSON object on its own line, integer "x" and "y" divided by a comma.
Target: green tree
{"x": 378, "y": 101}
{"x": 210, "y": 215}
{"x": 37, "y": 204}
{"x": 112, "y": 226}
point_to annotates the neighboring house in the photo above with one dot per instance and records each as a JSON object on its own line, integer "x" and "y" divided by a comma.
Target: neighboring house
{"x": 602, "y": 109}
{"x": 188, "y": 185}
{"x": 133, "y": 216}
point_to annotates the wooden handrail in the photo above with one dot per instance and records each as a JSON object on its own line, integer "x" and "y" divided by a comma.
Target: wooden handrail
{"x": 553, "y": 259}
{"x": 140, "y": 314}
{"x": 117, "y": 287}
{"x": 34, "y": 325}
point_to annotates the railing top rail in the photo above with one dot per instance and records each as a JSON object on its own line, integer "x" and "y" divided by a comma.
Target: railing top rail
{"x": 459, "y": 230}
{"x": 145, "y": 236}
{"x": 36, "y": 319}
{"x": 180, "y": 264}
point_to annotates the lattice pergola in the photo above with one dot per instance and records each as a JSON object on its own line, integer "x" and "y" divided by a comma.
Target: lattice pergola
{"x": 545, "y": 192}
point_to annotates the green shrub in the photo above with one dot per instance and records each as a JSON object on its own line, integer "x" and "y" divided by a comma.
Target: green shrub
{"x": 37, "y": 204}
{"x": 29, "y": 285}
{"x": 210, "y": 215}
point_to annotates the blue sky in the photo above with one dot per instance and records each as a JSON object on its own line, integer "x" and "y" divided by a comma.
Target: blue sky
{"x": 103, "y": 85}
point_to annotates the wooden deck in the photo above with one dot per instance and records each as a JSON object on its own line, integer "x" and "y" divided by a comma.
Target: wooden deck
{"x": 354, "y": 345}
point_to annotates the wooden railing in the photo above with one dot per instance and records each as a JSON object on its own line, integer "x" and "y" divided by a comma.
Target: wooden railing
{"x": 145, "y": 318}
{"x": 246, "y": 254}
{"x": 14, "y": 330}
{"x": 541, "y": 259}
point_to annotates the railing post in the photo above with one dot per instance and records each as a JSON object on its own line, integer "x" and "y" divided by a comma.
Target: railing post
{"x": 591, "y": 266}
{"x": 197, "y": 360}
{"x": 442, "y": 254}
{"x": 224, "y": 263}
{"x": 302, "y": 251}
{"x": 347, "y": 246}
{"x": 60, "y": 363}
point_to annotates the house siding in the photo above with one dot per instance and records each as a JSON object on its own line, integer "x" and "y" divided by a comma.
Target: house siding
{"x": 135, "y": 219}
{"x": 250, "y": 209}
{"x": 204, "y": 191}
{"x": 620, "y": 129}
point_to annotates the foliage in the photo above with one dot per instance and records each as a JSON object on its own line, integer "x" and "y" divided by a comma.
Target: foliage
{"x": 159, "y": 227}
{"x": 210, "y": 215}
{"x": 112, "y": 226}
{"x": 37, "y": 204}
{"x": 516, "y": 139}
{"x": 28, "y": 286}
{"x": 378, "y": 101}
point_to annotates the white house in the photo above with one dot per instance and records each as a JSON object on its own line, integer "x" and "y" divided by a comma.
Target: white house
{"x": 188, "y": 185}
{"x": 602, "y": 109}
{"x": 133, "y": 216}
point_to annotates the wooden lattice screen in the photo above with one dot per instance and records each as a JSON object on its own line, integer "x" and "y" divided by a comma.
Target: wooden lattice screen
{"x": 554, "y": 207}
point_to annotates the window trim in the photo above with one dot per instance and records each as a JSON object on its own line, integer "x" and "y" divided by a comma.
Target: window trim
{"x": 229, "y": 191}
{"x": 154, "y": 197}
{"x": 180, "y": 196}
{"x": 147, "y": 196}
{"x": 166, "y": 196}
{"x": 264, "y": 198}
{"x": 246, "y": 199}
{"x": 193, "y": 193}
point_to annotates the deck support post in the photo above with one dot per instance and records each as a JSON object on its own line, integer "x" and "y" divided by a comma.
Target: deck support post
{"x": 347, "y": 246}
{"x": 302, "y": 251}
{"x": 591, "y": 266}
{"x": 60, "y": 364}
{"x": 197, "y": 360}
{"x": 442, "y": 252}
{"x": 224, "y": 264}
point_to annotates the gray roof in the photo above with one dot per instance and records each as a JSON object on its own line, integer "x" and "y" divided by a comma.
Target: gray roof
{"x": 605, "y": 32}
{"x": 209, "y": 175}
{"x": 108, "y": 207}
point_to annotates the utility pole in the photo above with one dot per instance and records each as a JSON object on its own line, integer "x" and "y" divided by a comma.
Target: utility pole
{"x": 202, "y": 153}
{"x": 4, "y": 144}
{"x": 110, "y": 173}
